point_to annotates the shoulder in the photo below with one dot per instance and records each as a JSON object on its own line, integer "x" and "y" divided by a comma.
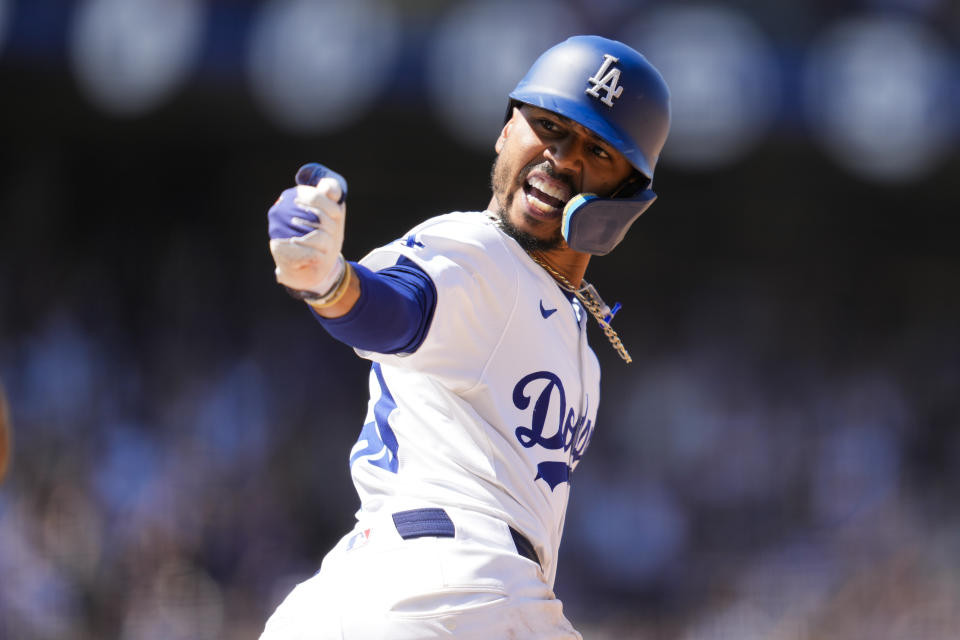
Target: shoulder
{"x": 467, "y": 227}
{"x": 468, "y": 238}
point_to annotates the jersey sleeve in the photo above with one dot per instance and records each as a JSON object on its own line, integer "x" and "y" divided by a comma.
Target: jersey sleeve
{"x": 475, "y": 276}
{"x": 393, "y": 312}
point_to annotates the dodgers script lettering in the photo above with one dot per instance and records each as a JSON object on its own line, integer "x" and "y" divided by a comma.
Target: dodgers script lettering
{"x": 572, "y": 432}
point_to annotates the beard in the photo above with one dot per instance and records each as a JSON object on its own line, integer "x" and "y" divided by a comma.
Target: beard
{"x": 505, "y": 191}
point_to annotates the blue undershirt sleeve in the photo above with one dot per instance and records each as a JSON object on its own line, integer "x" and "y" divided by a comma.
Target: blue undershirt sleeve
{"x": 393, "y": 312}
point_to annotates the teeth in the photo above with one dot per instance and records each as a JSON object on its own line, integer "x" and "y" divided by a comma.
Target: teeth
{"x": 542, "y": 185}
{"x": 540, "y": 204}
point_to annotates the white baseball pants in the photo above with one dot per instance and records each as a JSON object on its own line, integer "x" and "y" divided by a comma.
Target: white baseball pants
{"x": 377, "y": 585}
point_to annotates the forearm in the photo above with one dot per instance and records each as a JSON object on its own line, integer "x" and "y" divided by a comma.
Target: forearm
{"x": 388, "y": 311}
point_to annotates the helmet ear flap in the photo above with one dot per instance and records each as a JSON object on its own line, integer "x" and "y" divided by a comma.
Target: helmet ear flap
{"x": 597, "y": 225}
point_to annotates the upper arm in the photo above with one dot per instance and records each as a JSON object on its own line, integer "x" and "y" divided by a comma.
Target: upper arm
{"x": 392, "y": 313}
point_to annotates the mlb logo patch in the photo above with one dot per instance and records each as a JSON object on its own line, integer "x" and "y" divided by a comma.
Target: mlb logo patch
{"x": 358, "y": 539}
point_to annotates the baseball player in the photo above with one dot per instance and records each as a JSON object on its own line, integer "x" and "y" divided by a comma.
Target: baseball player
{"x": 483, "y": 389}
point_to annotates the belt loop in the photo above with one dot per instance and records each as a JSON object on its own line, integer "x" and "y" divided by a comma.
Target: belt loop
{"x": 418, "y": 523}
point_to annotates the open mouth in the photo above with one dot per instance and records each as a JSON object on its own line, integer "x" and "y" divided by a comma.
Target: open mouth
{"x": 544, "y": 196}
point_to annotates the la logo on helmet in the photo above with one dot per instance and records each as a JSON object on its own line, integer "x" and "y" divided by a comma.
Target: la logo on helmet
{"x": 606, "y": 78}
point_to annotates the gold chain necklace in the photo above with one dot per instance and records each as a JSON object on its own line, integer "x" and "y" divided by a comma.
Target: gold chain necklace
{"x": 592, "y": 302}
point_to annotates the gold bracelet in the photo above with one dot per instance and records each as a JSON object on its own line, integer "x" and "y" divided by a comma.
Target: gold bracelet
{"x": 339, "y": 291}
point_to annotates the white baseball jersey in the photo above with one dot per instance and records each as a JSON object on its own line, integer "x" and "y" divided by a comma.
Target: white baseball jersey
{"x": 495, "y": 408}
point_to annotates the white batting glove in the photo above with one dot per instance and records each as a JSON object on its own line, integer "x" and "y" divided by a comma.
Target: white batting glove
{"x": 306, "y": 231}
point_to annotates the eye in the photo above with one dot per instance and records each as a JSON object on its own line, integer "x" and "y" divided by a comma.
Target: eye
{"x": 600, "y": 152}
{"x": 548, "y": 125}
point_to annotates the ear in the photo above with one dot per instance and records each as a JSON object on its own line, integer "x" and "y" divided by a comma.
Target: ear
{"x": 498, "y": 146}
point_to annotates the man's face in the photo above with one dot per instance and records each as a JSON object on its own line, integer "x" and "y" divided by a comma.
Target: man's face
{"x": 543, "y": 160}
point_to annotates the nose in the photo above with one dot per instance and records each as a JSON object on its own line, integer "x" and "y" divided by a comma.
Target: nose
{"x": 566, "y": 155}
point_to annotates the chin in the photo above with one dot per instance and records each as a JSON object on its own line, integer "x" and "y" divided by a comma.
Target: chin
{"x": 525, "y": 237}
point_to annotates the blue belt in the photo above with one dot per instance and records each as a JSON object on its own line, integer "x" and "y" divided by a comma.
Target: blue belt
{"x": 418, "y": 523}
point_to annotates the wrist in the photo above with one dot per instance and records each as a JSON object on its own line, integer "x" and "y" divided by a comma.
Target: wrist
{"x": 336, "y": 294}
{"x": 325, "y": 287}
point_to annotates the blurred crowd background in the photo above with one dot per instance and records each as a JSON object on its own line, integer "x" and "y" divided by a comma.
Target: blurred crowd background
{"x": 779, "y": 463}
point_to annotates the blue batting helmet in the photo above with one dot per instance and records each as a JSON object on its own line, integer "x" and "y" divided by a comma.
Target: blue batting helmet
{"x": 613, "y": 91}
